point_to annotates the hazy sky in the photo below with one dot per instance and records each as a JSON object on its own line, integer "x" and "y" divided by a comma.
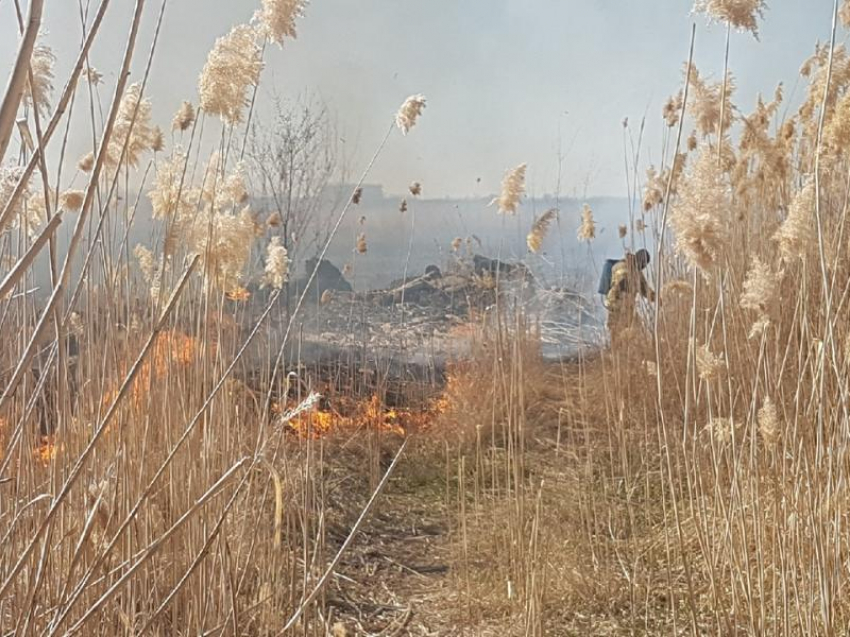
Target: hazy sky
{"x": 507, "y": 81}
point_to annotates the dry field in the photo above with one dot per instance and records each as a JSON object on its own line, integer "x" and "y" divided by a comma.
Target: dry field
{"x": 172, "y": 463}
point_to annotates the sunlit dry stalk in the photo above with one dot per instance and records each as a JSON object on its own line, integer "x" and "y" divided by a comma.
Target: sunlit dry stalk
{"x": 17, "y": 80}
{"x": 81, "y": 460}
{"x": 67, "y": 93}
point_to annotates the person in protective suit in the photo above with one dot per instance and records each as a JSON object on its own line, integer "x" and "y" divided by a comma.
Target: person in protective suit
{"x": 627, "y": 281}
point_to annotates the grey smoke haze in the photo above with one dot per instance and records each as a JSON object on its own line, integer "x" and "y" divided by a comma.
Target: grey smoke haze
{"x": 508, "y": 81}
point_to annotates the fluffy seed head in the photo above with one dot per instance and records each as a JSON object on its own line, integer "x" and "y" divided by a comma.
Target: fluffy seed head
{"x": 92, "y": 75}
{"x": 457, "y": 242}
{"x": 86, "y": 162}
{"x": 170, "y": 197}
{"x": 72, "y": 199}
{"x": 277, "y": 264}
{"x": 723, "y": 429}
{"x": 653, "y": 191}
{"x": 622, "y": 230}
{"x": 402, "y": 207}
{"x": 408, "y": 113}
{"x": 132, "y": 127}
{"x": 741, "y": 14}
{"x": 9, "y": 178}
{"x": 513, "y": 187}
{"x": 709, "y": 365}
{"x": 276, "y": 19}
{"x": 184, "y": 117}
{"x": 147, "y": 262}
{"x": 158, "y": 140}
{"x": 796, "y": 234}
{"x": 150, "y": 271}
{"x": 769, "y": 422}
{"x": 38, "y": 93}
{"x": 356, "y": 195}
{"x": 676, "y": 288}
{"x": 587, "y": 229}
{"x": 327, "y": 295}
{"x": 539, "y": 229}
{"x": 415, "y": 189}
{"x": 32, "y": 215}
{"x": 699, "y": 215}
{"x": 705, "y": 103}
{"x": 672, "y": 109}
{"x": 761, "y": 288}
{"x": 362, "y": 248}
{"x": 224, "y": 241}
{"x": 233, "y": 65}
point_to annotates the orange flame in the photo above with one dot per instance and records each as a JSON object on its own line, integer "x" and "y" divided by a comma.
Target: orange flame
{"x": 46, "y": 450}
{"x": 356, "y": 415}
{"x": 238, "y": 294}
{"x": 170, "y": 348}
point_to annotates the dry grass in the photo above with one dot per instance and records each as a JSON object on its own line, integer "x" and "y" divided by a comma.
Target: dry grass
{"x": 693, "y": 480}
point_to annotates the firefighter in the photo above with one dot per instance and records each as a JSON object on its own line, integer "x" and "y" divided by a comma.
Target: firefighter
{"x": 627, "y": 281}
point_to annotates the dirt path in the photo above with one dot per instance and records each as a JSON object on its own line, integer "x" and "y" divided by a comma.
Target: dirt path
{"x": 397, "y": 578}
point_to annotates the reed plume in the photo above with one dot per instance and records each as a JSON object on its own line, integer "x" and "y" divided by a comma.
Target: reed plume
{"x": 277, "y": 264}
{"x": 86, "y": 162}
{"x": 513, "y": 187}
{"x": 709, "y": 365}
{"x": 184, "y": 117}
{"x": 409, "y": 112}
{"x": 37, "y": 93}
{"x": 699, "y": 216}
{"x": 276, "y": 19}
{"x": 768, "y": 421}
{"x": 133, "y": 128}
{"x": 233, "y": 65}
{"x": 796, "y": 234}
{"x": 72, "y": 199}
{"x": 539, "y": 229}
{"x": 741, "y": 14}
{"x": 587, "y": 229}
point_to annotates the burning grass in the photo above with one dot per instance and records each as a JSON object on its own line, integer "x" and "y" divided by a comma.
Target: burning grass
{"x": 156, "y": 477}
{"x": 346, "y": 416}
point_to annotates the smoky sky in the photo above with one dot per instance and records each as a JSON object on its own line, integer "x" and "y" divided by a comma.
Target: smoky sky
{"x": 546, "y": 82}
